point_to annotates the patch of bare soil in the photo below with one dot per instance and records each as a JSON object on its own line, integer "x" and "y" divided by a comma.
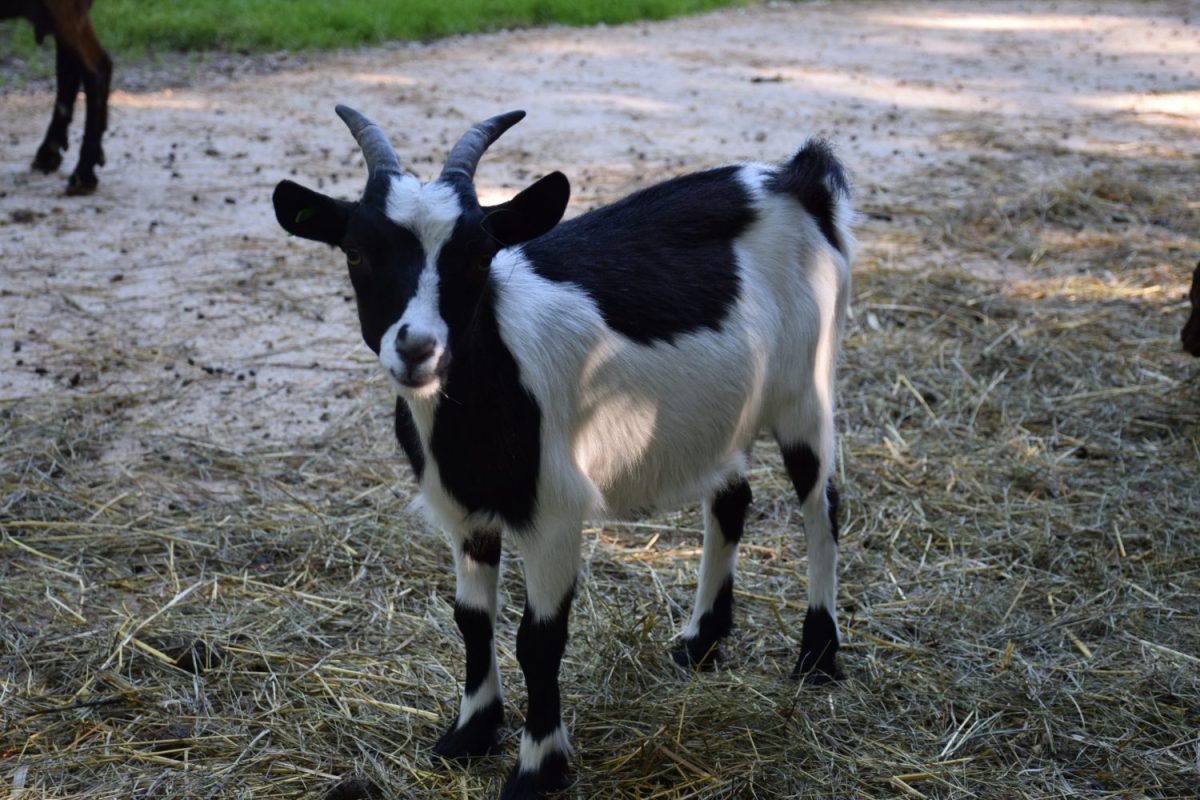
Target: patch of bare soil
{"x": 175, "y": 281}
{"x": 195, "y": 444}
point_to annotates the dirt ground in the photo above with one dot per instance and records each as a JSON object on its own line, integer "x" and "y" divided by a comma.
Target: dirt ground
{"x": 175, "y": 280}
{"x": 1012, "y": 155}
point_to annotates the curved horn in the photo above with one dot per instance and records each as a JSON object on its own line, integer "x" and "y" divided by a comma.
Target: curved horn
{"x": 375, "y": 147}
{"x": 465, "y": 156}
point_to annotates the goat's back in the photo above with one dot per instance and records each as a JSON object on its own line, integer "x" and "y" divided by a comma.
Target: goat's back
{"x": 660, "y": 334}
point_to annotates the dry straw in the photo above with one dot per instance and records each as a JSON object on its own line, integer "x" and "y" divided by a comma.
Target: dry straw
{"x": 1020, "y": 570}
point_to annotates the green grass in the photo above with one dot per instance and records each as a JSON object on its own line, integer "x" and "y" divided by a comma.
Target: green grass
{"x": 136, "y": 28}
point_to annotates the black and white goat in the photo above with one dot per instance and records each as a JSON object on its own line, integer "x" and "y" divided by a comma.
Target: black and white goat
{"x": 618, "y": 362}
{"x": 79, "y": 60}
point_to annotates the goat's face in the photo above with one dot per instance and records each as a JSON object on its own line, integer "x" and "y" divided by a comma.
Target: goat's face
{"x": 419, "y": 254}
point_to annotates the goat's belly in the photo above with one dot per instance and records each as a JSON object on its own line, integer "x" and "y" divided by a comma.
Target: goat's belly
{"x": 659, "y": 449}
{"x": 627, "y": 496}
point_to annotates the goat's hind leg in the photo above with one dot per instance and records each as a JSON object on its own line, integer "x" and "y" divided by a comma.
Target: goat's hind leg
{"x": 808, "y": 459}
{"x": 97, "y": 78}
{"x": 712, "y": 614}
{"x": 481, "y": 711}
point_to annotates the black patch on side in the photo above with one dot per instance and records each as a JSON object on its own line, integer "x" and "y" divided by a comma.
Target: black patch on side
{"x": 476, "y": 738}
{"x": 729, "y": 509}
{"x": 486, "y": 435}
{"x": 808, "y": 177}
{"x": 476, "y": 628}
{"x": 658, "y": 263}
{"x": 835, "y": 503}
{"x": 483, "y": 547}
{"x": 818, "y": 649}
{"x": 410, "y": 441}
{"x": 802, "y": 467}
{"x": 540, "y": 647}
{"x": 701, "y": 651}
{"x": 551, "y": 776}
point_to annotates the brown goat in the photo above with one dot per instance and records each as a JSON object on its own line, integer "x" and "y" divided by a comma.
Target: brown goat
{"x": 1191, "y": 329}
{"x": 79, "y": 60}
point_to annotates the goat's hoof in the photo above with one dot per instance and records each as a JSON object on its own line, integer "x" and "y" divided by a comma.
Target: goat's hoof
{"x": 48, "y": 158}
{"x": 476, "y": 739}
{"x": 354, "y": 789}
{"x": 696, "y": 654}
{"x": 551, "y": 776}
{"x": 814, "y": 670}
{"x": 817, "y": 665}
{"x": 82, "y": 184}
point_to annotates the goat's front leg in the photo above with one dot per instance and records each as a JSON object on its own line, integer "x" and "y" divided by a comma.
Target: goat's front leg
{"x": 477, "y": 569}
{"x": 69, "y": 72}
{"x": 551, "y": 563}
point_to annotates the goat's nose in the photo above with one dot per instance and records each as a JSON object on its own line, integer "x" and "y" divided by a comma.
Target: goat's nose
{"x": 414, "y": 350}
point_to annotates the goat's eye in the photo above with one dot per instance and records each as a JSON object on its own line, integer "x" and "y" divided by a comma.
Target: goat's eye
{"x": 354, "y": 258}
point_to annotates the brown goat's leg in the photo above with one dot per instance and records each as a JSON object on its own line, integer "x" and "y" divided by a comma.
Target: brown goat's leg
{"x": 74, "y": 28}
{"x": 49, "y": 155}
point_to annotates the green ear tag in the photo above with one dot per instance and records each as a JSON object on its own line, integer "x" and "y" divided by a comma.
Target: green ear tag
{"x": 305, "y": 215}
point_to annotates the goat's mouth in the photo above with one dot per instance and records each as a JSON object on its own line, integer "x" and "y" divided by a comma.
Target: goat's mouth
{"x": 422, "y": 380}
{"x": 410, "y": 382}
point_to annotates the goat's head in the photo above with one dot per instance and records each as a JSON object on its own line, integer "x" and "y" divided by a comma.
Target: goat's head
{"x": 419, "y": 254}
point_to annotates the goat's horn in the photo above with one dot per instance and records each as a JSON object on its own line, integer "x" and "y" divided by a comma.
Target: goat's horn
{"x": 376, "y": 149}
{"x": 464, "y": 158}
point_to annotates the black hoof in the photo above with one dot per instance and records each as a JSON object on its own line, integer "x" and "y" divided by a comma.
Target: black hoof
{"x": 48, "y": 158}
{"x": 818, "y": 676}
{"x": 818, "y": 669}
{"x": 354, "y": 789}
{"x": 818, "y": 650}
{"x": 552, "y": 776}
{"x": 475, "y": 739}
{"x": 696, "y": 654}
{"x": 82, "y": 183}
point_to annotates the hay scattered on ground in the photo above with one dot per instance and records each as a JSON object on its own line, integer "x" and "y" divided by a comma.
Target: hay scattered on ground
{"x": 1021, "y": 579}
{"x": 1020, "y": 561}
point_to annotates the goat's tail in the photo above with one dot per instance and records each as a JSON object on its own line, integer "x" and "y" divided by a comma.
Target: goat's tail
{"x": 816, "y": 179}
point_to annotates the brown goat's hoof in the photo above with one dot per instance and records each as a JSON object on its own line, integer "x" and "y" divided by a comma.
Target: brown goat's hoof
{"x": 48, "y": 159}
{"x": 80, "y": 185}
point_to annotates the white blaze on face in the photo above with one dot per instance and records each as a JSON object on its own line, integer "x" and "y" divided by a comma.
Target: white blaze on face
{"x": 430, "y": 211}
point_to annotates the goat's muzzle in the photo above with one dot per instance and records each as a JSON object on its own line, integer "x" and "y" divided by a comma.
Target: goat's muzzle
{"x": 422, "y": 361}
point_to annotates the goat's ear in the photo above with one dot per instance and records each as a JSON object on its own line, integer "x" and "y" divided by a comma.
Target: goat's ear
{"x": 531, "y": 213}
{"x": 310, "y": 214}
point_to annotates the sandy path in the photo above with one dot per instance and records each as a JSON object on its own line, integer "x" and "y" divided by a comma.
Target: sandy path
{"x": 174, "y": 283}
